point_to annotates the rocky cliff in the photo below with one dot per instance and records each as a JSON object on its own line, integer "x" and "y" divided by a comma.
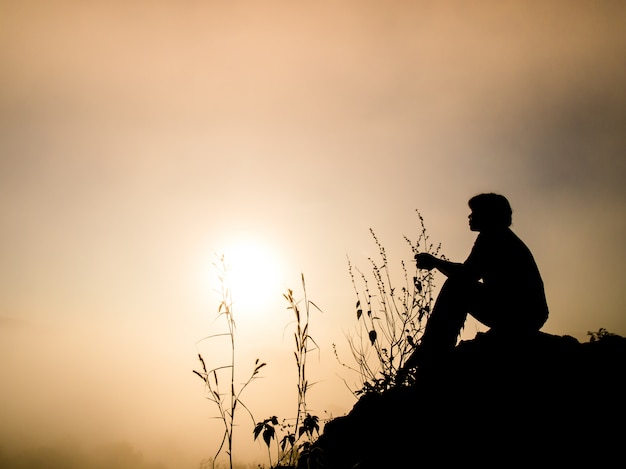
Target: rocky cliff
{"x": 540, "y": 400}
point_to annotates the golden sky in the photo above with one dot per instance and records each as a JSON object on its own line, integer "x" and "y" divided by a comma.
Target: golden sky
{"x": 137, "y": 138}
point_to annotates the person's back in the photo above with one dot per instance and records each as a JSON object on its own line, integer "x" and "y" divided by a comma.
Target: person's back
{"x": 510, "y": 278}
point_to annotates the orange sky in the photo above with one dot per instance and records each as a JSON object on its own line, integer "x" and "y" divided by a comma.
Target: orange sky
{"x": 138, "y": 137}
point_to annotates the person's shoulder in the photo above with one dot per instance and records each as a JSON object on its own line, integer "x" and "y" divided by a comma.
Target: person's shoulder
{"x": 513, "y": 236}
{"x": 517, "y": 243}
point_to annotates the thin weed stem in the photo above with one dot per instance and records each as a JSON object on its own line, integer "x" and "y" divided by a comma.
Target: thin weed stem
{"x": 226, "y": 403}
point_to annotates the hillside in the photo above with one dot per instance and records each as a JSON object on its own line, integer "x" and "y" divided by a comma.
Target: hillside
{"x": 544, "y": 400}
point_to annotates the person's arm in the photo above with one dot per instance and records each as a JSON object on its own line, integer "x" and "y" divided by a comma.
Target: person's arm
{"x": 429, "y": 262}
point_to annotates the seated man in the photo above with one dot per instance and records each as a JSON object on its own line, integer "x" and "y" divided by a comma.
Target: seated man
{"x": 499, "y": 284}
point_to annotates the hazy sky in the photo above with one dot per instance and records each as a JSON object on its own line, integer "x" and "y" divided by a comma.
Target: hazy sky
{"x": 139, "y": 137}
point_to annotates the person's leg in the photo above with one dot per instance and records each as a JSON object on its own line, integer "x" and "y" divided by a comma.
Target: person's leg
{"x": 448, "y": 315}
{"x": 445, "y": 322}
{"x": 495, "y": 311}
{"x": 487, "y": 315}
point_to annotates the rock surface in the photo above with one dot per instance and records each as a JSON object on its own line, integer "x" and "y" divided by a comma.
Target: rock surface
{"x": 540, "y": 400}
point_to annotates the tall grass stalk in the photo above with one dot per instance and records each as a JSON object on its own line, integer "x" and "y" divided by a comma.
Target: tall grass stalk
{"x": 390, "y": 320}
{"x": 299, "y": 435}
{"x": 226, "y": 402}
{"x": 302, "y": 339}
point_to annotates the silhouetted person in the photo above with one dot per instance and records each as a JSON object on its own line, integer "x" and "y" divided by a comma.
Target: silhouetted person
{"x": 499, "y": 284}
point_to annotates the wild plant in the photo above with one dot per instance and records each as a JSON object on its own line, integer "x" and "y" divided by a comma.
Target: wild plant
{"x": 599, "y": 335}
{"x": 297, "y": 437}
{"x": 390, "y": 321}
{"x": 228, "y": 401}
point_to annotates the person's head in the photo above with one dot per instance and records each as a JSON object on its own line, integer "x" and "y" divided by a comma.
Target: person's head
{"x": 489, "y": 211}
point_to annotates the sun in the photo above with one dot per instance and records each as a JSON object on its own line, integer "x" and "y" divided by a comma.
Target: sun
{"x": 253, "y": 274}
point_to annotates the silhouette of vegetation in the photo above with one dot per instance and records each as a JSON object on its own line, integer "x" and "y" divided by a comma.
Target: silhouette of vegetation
{"x": 600, "y": 334}
{"x": 390, "y": 320}
{"x": 226, "y": 402}
{"x": 297, "y": 437}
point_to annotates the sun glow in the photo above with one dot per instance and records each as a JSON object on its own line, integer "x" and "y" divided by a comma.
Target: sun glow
{"x": 252, "y": 275}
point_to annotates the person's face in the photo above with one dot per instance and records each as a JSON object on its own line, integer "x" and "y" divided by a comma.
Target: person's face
{"x": 475, "y": 222}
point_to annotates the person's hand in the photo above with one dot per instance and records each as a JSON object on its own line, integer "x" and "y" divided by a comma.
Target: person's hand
{"x": 425, "y": 261}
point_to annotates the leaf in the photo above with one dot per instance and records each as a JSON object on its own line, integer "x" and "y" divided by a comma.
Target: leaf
{"x": 359, "y": 313}
{"x": 410, "y": 341}
{"x": 315, "y": 306}
{"x": 202, "y": 361}
{"x": 310, "y": 424}
{"x": 290, "y": 438}
{"x": 202, "y": 377}
{"x": 257, "y": 429}
{"x": 268, "y": 434}
{"x": 372, "y": 336}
